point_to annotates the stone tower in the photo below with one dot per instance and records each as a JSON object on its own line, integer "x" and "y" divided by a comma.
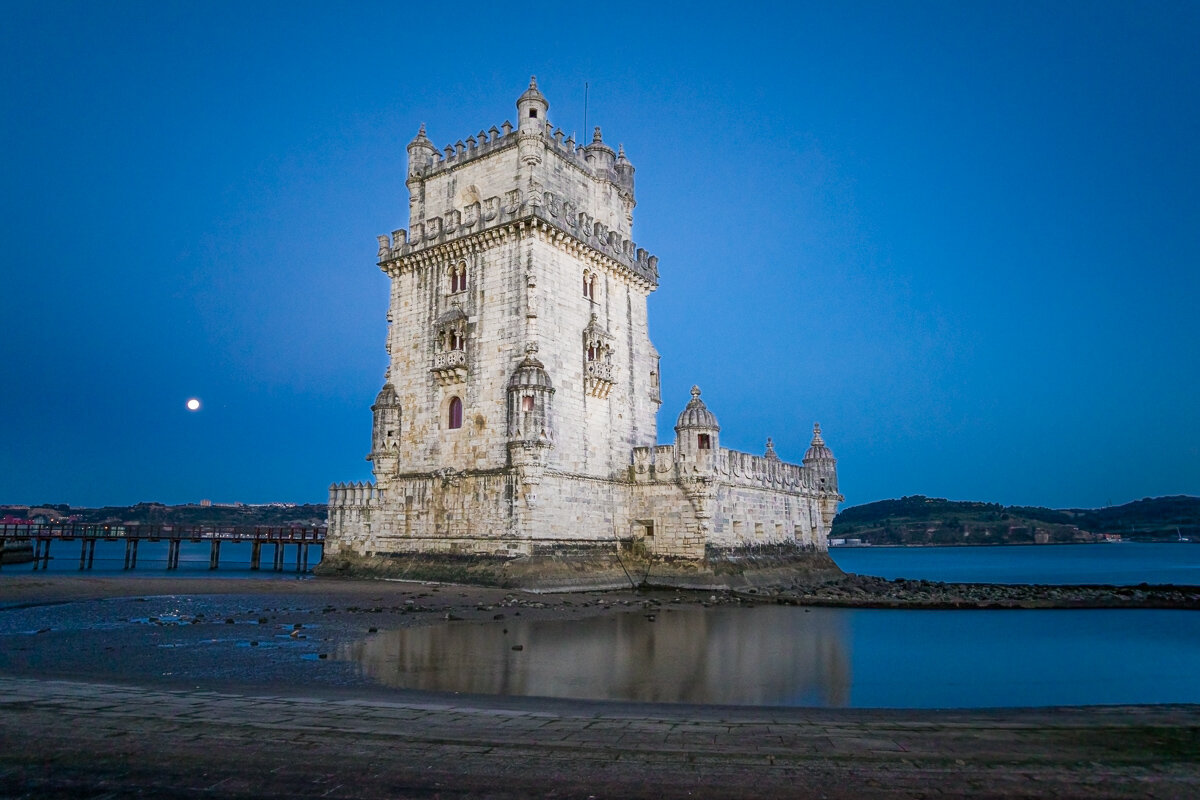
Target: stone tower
{"x": 517, "y": 238}
{"x": 518, "y": 412}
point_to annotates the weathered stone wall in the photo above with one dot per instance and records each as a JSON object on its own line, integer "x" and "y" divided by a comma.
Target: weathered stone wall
{"x": 517, "y": 282}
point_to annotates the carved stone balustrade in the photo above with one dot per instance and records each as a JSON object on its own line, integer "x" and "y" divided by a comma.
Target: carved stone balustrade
{"x": 450, "y": 367}
{"x": 599, "y": 378}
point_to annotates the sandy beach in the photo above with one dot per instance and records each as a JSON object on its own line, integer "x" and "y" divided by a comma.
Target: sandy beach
{"x": 178, "y": 687}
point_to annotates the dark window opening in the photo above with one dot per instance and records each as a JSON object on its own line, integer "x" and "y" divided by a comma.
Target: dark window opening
{"x": 455, "y": 419}
{"x": 527, "y": 403}
{"x": 703, "y": 441}
{"x": 533, "y": 113}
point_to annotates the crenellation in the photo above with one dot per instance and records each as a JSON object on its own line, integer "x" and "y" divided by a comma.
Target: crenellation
{"x": 437, "y": 230}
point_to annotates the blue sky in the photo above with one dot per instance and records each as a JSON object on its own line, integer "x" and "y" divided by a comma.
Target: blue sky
{"x": 965, "y": 237}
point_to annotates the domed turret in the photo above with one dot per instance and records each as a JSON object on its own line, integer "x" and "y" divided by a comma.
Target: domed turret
{"x": 696, "y": 430}
{"x": 532, "y": 107}
{"x": 385, "y": 430}
{"x": 421, "y": 153}
{"x": 624, "y": 170}
{"x": 696, "y": 415}
{"x": 530, "y": 373}
{"x": 819, "y": 458}
{"x": 529, "y": 399}
{"x": 601, "y": 155}
{"x": 817, "y": 450}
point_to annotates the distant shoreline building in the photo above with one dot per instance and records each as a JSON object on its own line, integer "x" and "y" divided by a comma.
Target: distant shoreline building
{"x": 515, "y": 436}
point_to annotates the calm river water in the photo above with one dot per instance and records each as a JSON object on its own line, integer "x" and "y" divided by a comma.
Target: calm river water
{"x": 1124, "y": 563}
{"x": 865, "y": 658}
{"x": 783, "y": 655}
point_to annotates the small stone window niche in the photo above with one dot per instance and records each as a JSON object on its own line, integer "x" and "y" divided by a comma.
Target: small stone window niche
{"x": 590, "y": 283}
{"x": 458, "y": 277}
{"x": 703, "y": 441}
{"x": 527, "y": 403}
{"x": 454, "y": 414}
{"x": 597, "y": 359}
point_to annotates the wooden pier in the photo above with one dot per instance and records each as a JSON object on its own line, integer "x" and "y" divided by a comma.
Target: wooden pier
{"x": 42, "y": 536}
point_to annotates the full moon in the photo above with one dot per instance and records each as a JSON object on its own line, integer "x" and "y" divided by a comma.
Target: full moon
{"x": 193, "y": 404}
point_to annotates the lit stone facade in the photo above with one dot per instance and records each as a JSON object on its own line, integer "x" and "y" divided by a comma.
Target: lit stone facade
{"x": 518, "y": 414}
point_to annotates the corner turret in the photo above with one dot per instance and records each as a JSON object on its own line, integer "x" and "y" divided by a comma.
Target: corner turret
{"x": 624, "y": 171}
{"x": 600, "y": 155}
{"x": 421, "y": 153}
{"x": 385, "y": 433}
{"x": 530, "y": 437}
{"x": 531, "y": 108}
{"x": 820, "y": 460}
{"x": 697, "y": 434}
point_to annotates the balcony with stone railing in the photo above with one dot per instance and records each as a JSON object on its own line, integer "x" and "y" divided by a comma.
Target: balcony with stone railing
{"x": 450, "y": 366}
{"x": 599, "y": 378}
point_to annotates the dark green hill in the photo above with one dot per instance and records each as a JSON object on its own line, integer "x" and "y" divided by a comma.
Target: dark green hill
{"x": 932, "y": 520}
{"x": 1151, "y": 517}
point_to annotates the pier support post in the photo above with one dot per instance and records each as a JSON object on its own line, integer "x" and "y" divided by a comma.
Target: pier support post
{"x": 128, "y": 552}
{"x": 91, "y": 552}
{"x": 255, "y": 555}
{"x": 83, "y": 553}
{"x": 214, "y": 557}
{"x": 278, "y": 557}
{"x": 173, "y": 554}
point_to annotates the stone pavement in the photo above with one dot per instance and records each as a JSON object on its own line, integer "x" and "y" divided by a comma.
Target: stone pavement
{"x": 90, "y": 740}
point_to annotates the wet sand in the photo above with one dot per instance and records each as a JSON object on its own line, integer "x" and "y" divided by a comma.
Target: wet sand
{"x": 116, "y": 697}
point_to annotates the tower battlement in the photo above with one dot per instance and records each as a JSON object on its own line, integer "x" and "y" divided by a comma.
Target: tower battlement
{"x": 496, "y": 213}
{"x": 596, "y": 158}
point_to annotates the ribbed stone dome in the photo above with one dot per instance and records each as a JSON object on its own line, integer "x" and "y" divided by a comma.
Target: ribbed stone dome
{"x": 387, "y": 396}
{"x": 696, "y": 414}
{"x": 817, "y": 451}
{"x": 530, "y": 373}
{"x": 532, "y": 92}
{"x": 421, "y": 138}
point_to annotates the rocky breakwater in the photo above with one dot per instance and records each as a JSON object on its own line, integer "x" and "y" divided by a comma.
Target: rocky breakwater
{"x": 863, "y": 591}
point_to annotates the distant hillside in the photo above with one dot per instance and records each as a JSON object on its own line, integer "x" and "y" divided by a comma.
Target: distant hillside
{"x": 930, "y": 520}
{"x": 274, "y": 514}
{"x": 1151, "y": 517}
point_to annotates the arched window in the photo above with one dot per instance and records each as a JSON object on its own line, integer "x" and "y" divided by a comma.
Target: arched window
{"x": 703, "y": 441}
{"x": 587, "y": 285}
{"x": 458, "y": 278}
{"x": 592, "y": 289}
{"x": 455, "y": 415}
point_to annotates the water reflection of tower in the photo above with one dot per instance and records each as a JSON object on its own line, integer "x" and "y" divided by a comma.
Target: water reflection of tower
{"x": 770, "y": 655}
